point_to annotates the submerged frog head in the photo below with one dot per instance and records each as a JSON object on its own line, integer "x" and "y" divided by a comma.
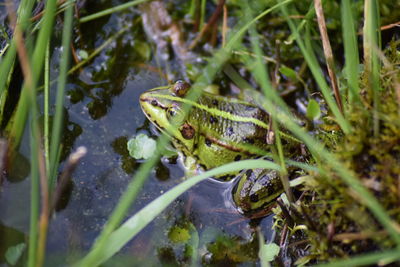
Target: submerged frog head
{"x": 256, "y": 189}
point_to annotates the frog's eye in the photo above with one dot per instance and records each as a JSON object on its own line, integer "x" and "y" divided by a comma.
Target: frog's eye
{"x": 172, "y": 111}
{"x": 180, "y": 88}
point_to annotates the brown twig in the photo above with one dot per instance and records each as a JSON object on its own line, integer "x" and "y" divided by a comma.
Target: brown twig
{"x": 44, "y": 215}
{"x": 283, "y": 235}
{"x": 196, "y": 24}
{"x": 286, "y": 213}
{"x": 327, "y": 51}
{"x": 69, "y": 168}
{"x": 383, "y": 28}
{"x": 214, "y": 34}
{"x": 389, "y": 26}
{"x": 224, "y": 25}
{"x": 19, "y": 40}
{"x": 28, "y": 80}
{"x": 210, "y": 23}
{"x": 347, "y": 237}
{"x": 41, "y": 13}
{"x": 276, "y": 78}
{"x": 74, "y": 55}
{"x": 3, "y": 157}
{"x": 189, "y": 205}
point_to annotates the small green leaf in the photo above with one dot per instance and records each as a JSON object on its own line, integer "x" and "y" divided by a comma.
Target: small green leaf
{"x": 269, "y": 251}
{"x": 313, "y": 110}
{"x": 288, "y": 72}
{"x": 179, "y": 235}
{"x": 141, "y": 147}
{"x": 14, "y": 253}
{"x": 284, "y": 199}
{"x": 143, "y": 49}
{"x": 83, "y": 54}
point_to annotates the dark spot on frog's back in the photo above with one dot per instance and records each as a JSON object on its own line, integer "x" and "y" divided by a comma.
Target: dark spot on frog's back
{"x": 229, "y": 131}
{"x": 208, "y": 142}
{"x": 187, "y": 131}
{"x": 238, "y": 157}
{"x": 213, "y": 119}
{"x": 249, "y": 107}
{"x": 248, "y": 140}
{"x": 249, "y": 173}
{"x": 214, "y": 102}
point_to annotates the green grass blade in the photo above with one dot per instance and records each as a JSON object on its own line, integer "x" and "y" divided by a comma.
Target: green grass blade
{"x": 193, "y": 245}
{"x": 97, "y": 51}
{"x": 141, "y": 219}
{"x": 375, "y": 258}
{"x": 351, "y": 54}
{"x": 46, "y": 111}
{"x": 6, "y": 65}
{"x": 34, "y": 205}
{"x": 37, "y": 60}
{"x": 7, "y": 62}
{"x": 261, "y": 75}
{"x": 312, "y": 63}
{"x": 371, "y": 33}
{"x": 111, "y": 10}
{"x": 202, "y": 12}
{"x": 58, "y": 116}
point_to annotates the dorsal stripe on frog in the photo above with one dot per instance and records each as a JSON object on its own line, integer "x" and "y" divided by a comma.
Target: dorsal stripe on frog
{"x": 221, "y": 113}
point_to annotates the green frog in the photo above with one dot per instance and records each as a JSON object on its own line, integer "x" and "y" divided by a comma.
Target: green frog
{"x": 218, "y": 130}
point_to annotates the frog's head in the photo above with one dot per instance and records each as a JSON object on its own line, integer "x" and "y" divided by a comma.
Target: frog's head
{"x": 162, "y": 104}
{"x": 257, "y": 190}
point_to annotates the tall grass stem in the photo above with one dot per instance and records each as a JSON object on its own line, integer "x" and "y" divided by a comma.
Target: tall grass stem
{"x": 351, "y": 54}
{"x": 109, "y": 11}
{"x": 58, "y": 116}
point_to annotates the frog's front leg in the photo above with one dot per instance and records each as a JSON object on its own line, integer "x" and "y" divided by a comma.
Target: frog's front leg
{"x": 191, "y": 166}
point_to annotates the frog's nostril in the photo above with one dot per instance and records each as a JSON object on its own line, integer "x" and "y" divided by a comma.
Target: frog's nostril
{"x": 154, "y": 102}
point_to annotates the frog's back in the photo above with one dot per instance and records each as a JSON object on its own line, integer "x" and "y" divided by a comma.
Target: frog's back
{"x": 230, "y": 123}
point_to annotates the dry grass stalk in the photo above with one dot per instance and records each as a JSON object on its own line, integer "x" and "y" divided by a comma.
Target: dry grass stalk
{"x": 70, "y": 166}
{"x": 327, "y": 51}
{"x": 224, "y": 26}
{"x": 210, "y": 23}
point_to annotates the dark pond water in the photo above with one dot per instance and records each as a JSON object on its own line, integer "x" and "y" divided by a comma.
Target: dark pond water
{"x": 102, "y": 113}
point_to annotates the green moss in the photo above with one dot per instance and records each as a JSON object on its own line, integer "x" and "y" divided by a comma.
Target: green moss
{"x": 338, "y": 225}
